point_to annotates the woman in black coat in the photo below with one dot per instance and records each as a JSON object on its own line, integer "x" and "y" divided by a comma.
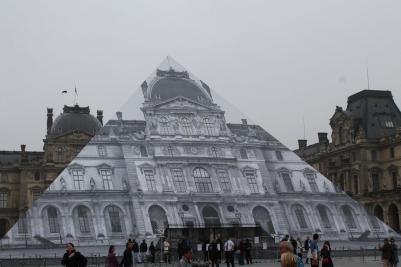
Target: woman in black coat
{"x": 73, "y": 258}
{"x": 325, "y": 254}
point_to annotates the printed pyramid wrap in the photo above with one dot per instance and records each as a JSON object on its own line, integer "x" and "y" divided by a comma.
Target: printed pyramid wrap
{"x": 181, "y": 166}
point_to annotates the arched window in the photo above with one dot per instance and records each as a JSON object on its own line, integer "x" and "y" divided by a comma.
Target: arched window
{"x": 300, "y": 215}
{"x": 209, "y": 126}
{"x": 164, "y": 126}
{"x": 4, "y": 196}
{"x": 312, "y": 181}
{"x": 210, "y": 216}
{"x": 186, "y": 126}
{"x": 158, "y": 219}
{"x": 393, "y": 217}
{"x": 52, "y": 217}
{"x": 263, "y": 219}
{"x": 349, "y": 217}
{"x": 285, "y": 175}
{"x": 324, "y": 216}
{"x": 202, "y": 180}
{"x": 378, "y": 212}
{"x": 115, "y": 220}
{"x": 84, "y": 220}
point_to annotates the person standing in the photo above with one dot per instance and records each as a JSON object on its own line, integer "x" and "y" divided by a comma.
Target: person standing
{"x": 214, "y": 254}
{"x": 143, "y": 248}
{"x": 127, "y": 260}
{"x": 314, "y": 248}
{"x": 111, "y": 260}
{"x": 241, "y": 255}
{"x": 135, "y": 250}
{"x": 73, "y": 258}
{"x": 205, "y": 251}
{"x": 394, "y": 255}
{"x": 386, "y": 253}
{"x": 248, "y": 250}
{"x": 307, "y": 249}
{"x": 229, "y": 248}
{"x": 152, "y": 251}
{"x": 166, "y": 250}
{"x": 325, "y": 254}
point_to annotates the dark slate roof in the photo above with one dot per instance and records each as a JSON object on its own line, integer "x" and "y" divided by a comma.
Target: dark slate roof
{"x": 374, "y": 111}
{"x": 246, "y": 130}
{"x": 73, "y": 119}
{"x": 170, "y": 87}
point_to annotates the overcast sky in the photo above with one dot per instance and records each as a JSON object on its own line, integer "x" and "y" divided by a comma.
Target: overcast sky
{"x": 276, "y": 61}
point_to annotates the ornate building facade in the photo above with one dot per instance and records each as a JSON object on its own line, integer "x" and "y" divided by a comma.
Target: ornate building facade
{"x": 24, "y": 175}
{"x": 364, "y": 157}
{"x": 184, "y": 165}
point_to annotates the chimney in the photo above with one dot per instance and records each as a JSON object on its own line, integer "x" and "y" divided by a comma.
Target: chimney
{"x": 100, "y": 116}
{"x": 323, "y": 138}
{"x": 49, "y": 119}
{"x": 302, "y": 143}
{"x": 119, "y": 115}
{"x": 23, "y": 153}
{"x": 244, "y": 122}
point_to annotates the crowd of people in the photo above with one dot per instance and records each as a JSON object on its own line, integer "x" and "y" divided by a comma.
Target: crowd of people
{"x": 292, "y": 253}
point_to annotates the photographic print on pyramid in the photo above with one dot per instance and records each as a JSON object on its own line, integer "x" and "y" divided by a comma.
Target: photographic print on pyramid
{"x": 187, "y": 170}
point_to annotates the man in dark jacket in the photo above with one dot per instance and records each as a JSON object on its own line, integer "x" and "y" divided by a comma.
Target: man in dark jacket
{"x": 143, "y": 248}
{"x": 73, "y": 258}
{"x": 248, "y": 249}
{"x": 214, "y": 254}
{"x": 386, "y": 253}
{"x": 127, "y": 256}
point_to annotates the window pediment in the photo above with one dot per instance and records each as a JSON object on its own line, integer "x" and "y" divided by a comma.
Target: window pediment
{"x": 248, "y": 169}
{"x": 104, "y": 166}
{"x": 75, "y": 166}
{"x": 147, "y": 166}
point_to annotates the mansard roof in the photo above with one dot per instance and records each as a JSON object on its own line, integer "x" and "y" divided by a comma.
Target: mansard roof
{"x": 375, "y": 111}
{"x": 250, "y": 130}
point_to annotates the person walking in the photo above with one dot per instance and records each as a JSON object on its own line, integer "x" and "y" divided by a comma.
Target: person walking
{"x": 394, "y": 253}
{"x": 135, "y": 250}
{"x": 325, "y": 254}
{"x": 143, "y": 248}
{"x": 166, "y": 251}
{"x": 152, "y": 251}
{"x": 214, "y": 254}
{"x": 127, "y": 260}
{"x": 73, "y": 258}
{"x": 111, "y": 260}
{"x": 241, "y": 255}
{"x": 229, "y": 249}
{"x": 386, "y": 253}
{"x": 314, "y": 248}
{"x": 307, "y": 249}
{"x": 287, "y": 257}
{"x": 248, "y": 250}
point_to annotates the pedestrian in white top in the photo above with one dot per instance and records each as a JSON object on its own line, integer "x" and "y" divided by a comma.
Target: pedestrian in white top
{"x": 229, "y": 249}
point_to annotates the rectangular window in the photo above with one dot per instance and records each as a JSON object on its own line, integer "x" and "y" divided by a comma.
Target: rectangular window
{"x": 78, "y": 179}
{"x": 224, "y": 180}
{"x": 107, "y": 179}
{"x": 178, "y": 180}
{"x": 101, "y": 151}
{"x": 279, "y": 155}
{"x": 23, "y": 225}
{"x": 392, "y": 152}
{"x": 287, "y": 181}
{"x": 3, "y": 199}
{"x": 243, "y": 153}
{"x": 374, "y": 154}
{"x": 150, "y": 180}
{"x": 356, "y": 184}
{"x": 252, "y": 182}
{"x": 375, "y": 182}
{"x": 395, "y": 182}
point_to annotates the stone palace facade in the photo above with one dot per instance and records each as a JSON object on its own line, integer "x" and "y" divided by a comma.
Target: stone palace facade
{"x": 184, "y": 165}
